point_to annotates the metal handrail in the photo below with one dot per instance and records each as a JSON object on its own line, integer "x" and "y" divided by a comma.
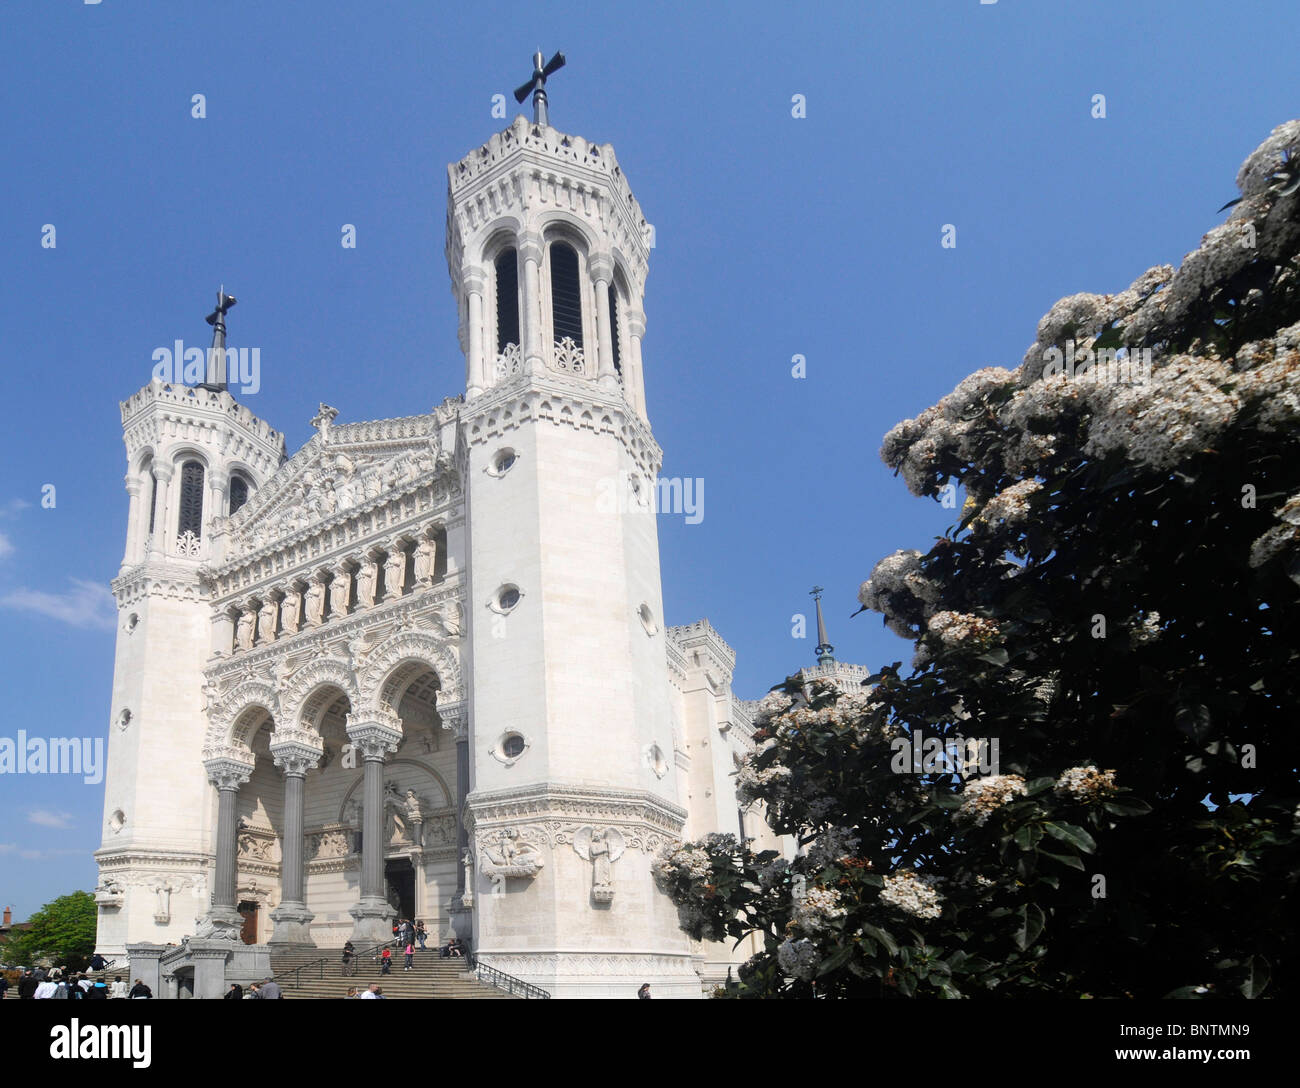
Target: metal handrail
{"x": 319, "y": 965}
{"x": 501, "y": 981}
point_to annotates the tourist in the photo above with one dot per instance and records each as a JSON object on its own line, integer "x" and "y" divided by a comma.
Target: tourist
{"x": 349, "y": 959}
{"x": 61, "y": 990}
{"x": 271, "y": 990}
{"x": 85, "y": 983}
{"x": 118, "y": 989}
{"x": 235, "y": 993}
{"x": 97, "y": 962}
{"x": 140, "y": 990}
{"x": 98, "y": 991}
{"x": 421, "y": 934}
{"x": 253, "y": 993}
{"x": 457, "y": 948}
{"x": 4, "y": 987}
{"x": 396, "y": 929}
{"x": 644, "y": 992}
{"x": 27, "y": 986}
{"x": 386, "y": 962}
{"x": 352, "y": 992}
{"x": 410, "y": 956}
{"x": 45, "y": 990}
{"x": 375, "y": 992}
{"x": 445, "y": 950}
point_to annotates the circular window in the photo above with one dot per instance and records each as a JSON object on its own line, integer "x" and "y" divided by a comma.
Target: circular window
{"x": 647, "y": 619}
{"x": 509, "y": 748}
{"x": 502, "y": 462}
{"x": 506, "y": 600}
{"x": 656, "y": 760}
{"x": 117, "y": 821}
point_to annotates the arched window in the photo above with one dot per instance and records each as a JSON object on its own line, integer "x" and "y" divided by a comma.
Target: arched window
{"x": 566, "y": 294}
{"x": 507, "y": 274}
{"x": 613, "y": 328}
{"x": 153, "y": 496}
{"x": 238, "y": 492}
{"x": 191, "y": 519}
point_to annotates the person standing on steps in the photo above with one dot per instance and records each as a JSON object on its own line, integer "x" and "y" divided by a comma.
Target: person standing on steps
{"x": 410, "y": 956}
{"x": 271, "y": 990}
{"x": 421, "y": 934}
{"x": 140, "y": 990}
{"x": 349, "y": 959}
{"x": 235, "y": 993}
{"x": 386, "y": 962}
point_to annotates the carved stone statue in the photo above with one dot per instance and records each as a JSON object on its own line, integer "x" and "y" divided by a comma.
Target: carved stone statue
{"x": 602, "y": 848}
{"x": 508, "y": 857}
{"x": 163, "y": 888}
{"x": 314, "y": 603}
{"x": 266, "y": 618}
{"x": 425, "y": 554}
{"x": 397, "y": 827}
{"x": 414, "y": 817}
{"x": 394, "y": 573}
{"x": 340, "y": 591}
{"x": 367, "y": 575}
{"x": 244, "y": 630}
{"x": 322, "y": 421}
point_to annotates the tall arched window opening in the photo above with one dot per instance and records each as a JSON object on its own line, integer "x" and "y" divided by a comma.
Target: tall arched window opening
{"x": 566, "y": 294}
{"x": 613, "y": 328}
{"x": 191, "y": 519}
{"x": 507, "y": 276}
{"x": 238, "y": 492}
{"x": 153, "y": 498}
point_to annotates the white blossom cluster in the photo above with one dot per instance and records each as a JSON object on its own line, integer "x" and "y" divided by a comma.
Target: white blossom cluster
{"x": 912, "y": 894}
{"x": 834, "y": 843}
{"x": 959, "y": 629}
{"x": 751, "y": 782}
{"x": 1008, "y": 509}
{"x": 896, "y": 588}
{"x": 772, "y": 705}
{"x": 797, "y": 959}
{"x": 1281, "y": 538}
{"x": 1148, "y": 630}
{"x": 984, "y": 796}
{"x": 817, "y": 909}
{"x": 1085, "y": 784}
{"x": 772, "y": 873}
{"x": 690, "y": 860}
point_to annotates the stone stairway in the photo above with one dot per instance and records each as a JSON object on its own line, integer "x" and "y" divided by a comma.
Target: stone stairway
{"x": 430, "y": 977}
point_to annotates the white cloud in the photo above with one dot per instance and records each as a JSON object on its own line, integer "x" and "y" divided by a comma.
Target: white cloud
{"x": 6, "y": 546}
{"x": 87, "y": 604}
{"x": 45, "y": 818}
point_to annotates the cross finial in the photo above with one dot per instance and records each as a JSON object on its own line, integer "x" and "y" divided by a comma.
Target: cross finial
{"x": 537, "y": 85}
{"x": 216, "y": 369}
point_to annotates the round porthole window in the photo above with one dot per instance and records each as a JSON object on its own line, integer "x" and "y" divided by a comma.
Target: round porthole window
{"x": 509, "y": 748}
{"x": 502, "y": 462}
{"x": 507, "y": 598}
{"x": 647, "y": 620}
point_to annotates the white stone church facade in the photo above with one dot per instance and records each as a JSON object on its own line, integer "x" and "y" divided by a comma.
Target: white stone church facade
{"x": 421, "y": 666}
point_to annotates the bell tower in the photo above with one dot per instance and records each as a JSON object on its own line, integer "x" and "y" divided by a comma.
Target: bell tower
{"x": 573, "y": 786}
{"x": 194, "y": 455}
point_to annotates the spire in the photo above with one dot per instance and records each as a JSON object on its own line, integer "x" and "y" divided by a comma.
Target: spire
{"x": 216, "y": 372}
{"x": 537, "y": 85}
{"x": 824, "y": 647}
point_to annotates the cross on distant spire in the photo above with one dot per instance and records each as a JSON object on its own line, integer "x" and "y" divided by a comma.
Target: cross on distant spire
{"x": 216, "y": 370}
{"x": 537, "y": 85}
{"x": 824, "y": 647}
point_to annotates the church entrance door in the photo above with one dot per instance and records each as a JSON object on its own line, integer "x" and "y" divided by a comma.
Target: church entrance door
{"x": 400, "y": 879}
{"x": 248, "y": 932}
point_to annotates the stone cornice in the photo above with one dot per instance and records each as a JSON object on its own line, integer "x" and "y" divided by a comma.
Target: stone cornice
{"x": 502, "y": 807}
{"x": 175, "y": 580}
{"x": 115, "y": 857}
{"x": 542, "y": 396}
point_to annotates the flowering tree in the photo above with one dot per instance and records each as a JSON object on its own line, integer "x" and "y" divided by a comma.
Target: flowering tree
{"x": 1117, "y": 612}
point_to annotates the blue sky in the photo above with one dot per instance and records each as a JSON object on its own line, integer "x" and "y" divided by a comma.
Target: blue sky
{"x": 775, "y": 236}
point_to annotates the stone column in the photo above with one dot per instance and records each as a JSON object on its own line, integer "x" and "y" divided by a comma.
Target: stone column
{"x": 134, "y": 487}
{"x": 421, "y": 895}
{"x": 455, "y": 720}
{"x": 633, "y": 380}
{"x": 223, "y": 920}
{"x": 530, "y": 254}
{"x": 475, "y": 283}
{"x": 162, "y": 511}
{"x": 218, "y": 493}
{"x": 374, "y": 736}
{"x": 394, "y": 570}
{"x": 297, "y": 753}
{"x": 223, "y": 634}
{"x": 602, "y": 274}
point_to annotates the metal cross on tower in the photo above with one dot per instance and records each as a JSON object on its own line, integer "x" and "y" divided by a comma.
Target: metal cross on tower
{"x": 824, "y": 647}
{"x": 537, "y": 85}
{"x": 216, "y": 369}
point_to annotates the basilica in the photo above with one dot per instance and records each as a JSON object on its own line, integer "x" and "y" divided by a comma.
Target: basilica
{"x": 419, "y": 668}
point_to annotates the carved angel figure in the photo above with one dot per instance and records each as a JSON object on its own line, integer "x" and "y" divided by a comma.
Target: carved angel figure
{"x": 508, "y": 856}
{"x": 602, "y": 848}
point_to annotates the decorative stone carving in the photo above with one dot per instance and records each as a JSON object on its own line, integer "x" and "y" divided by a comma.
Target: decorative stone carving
{"x": 602, "y": 847}
{"x": 394, "y": 572}
{"x": 290, "y": 608}
{"x": 109, "y": 894}
{"x": 375, "y": 736}
{"x": 244, "y": 629}
{"x": 367, "y": 577}
{"x": 256, "y": 845}
{"x": 569, "y": 358}
{"x": 509, "y": 362}
{"x": 163, "y": 889}
{"x": 226, "y": 773}
{"x": 425, "y": 557}
{"x": 331, "y": 843}
{"x": 323, "y": 420}
{"x": 266, "y": 621}
{"x": 507, "y": 856}
{"x": 314, "y": 602}
{"x": 340, "y": 591}
{"x": 188, "y": 545}
{"x": 296, "y": 751}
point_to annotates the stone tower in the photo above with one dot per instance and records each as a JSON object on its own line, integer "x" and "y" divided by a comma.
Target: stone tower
{"x": 572, "y": 736}
{"x": 193, "y": 454}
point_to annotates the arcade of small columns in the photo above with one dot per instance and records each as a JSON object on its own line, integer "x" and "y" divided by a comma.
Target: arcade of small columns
{"x": 374, "y": 736}
{"x": 363, "y": 579}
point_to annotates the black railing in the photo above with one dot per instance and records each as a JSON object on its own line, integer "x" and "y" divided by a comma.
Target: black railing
{"x": 346, "y": 969}
{"x": 501, "y": 981}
